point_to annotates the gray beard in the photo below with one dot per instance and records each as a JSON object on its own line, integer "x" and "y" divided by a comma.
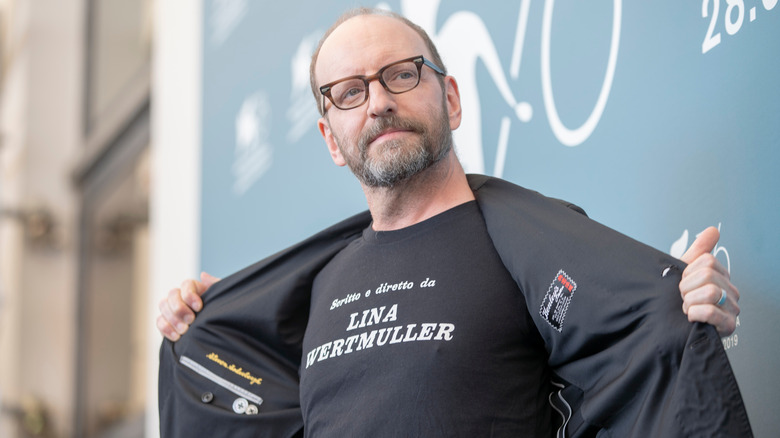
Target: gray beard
{"x": 397, "y": 161}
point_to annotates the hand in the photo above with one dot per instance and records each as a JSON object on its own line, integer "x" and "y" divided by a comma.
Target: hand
{"x": 703, "y": 282}
{"x": 177, "y": 310}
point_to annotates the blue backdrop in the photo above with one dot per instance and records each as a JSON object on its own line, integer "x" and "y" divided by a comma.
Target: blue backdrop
{"x": 659, "y": 120}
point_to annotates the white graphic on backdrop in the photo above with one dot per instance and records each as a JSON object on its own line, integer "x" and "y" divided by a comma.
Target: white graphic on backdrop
{"x": 302, "y": 112}
{"x": 224, "y": 18}
{"x": 254, "y": 153}
{"x": 732, "y": 22}
{"x": 680, "y": 245}
{"x": 568, "y": 136}
{"x": 464, "y": 41}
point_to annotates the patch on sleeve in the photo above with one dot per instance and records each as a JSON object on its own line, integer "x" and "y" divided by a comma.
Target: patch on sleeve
{"x": 557, "y": 299}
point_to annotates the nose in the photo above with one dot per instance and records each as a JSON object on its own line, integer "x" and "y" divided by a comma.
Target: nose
{"x": 380, "y": 101}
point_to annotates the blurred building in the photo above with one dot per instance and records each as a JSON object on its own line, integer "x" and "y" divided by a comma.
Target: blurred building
{"x": 74, "y": 199}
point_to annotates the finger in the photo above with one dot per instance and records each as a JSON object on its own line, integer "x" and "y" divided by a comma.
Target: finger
{"x": 700, "y": 305}
{"x": 704, "y": 243}
{"x": 167, "y": 329}
{"x": 180, "y": 312}
{"x": 724, "y": 322}
{"x": 176, "y": 326}
{"x": 709, "y": 294}
{"x": 174, "y": 321}
{"x": 706, "y": 265}
{"x": 191, "y": 291}
{"x": 207, "y": 280}
{"x": 703, "y": 272}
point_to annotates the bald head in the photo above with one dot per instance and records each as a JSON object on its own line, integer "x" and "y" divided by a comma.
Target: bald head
{"x": 361, "y": 27}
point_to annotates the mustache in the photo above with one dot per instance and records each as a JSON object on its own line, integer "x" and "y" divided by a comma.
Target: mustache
{"x": 387, "y": 123}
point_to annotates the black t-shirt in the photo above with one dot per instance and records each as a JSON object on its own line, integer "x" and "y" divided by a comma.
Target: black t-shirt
{"x": 422, "y": 332}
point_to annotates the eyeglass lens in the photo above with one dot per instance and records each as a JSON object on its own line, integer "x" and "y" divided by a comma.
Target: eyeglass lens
{"x": 396, "y": 78}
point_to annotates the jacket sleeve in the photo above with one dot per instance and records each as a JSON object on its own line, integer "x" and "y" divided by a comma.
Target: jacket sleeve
{"x": 235, "y": 372}
{"x": 627, "y": 360}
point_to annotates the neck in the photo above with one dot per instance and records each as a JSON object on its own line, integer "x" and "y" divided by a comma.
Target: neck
{"x": 430, "y": 192}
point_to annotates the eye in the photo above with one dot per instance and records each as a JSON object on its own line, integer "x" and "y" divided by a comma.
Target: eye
{"x": 401, "y": 74}
{"x": 348, "y": 92}
{"x": 352, "y": 92}
{"x": 405, "y": 74}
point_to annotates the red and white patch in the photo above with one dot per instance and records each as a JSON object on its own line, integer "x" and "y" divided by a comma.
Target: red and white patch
{"x": 556, "y": 301}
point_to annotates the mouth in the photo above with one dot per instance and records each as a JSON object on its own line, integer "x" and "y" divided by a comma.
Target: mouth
{"x": 387, "y": 130}
{"x": 388, "y": 134}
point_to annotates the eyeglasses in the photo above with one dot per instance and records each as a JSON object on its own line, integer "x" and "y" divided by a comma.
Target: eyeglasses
{"x": 398, "y": 77}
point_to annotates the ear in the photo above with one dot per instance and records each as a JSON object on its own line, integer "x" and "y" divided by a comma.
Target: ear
{"x": 335, "y": 153}
{"x": 453, "y": 102}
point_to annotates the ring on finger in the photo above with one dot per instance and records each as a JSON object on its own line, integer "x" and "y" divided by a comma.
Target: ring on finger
{"x": 722, "y": 299}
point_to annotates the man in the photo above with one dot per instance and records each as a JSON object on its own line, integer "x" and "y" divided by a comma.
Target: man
{"x": 440, "y": 318}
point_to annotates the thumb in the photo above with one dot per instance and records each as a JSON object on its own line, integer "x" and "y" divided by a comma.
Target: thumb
{"x": 704, "y": 243}
{"x": 207, "y": 280}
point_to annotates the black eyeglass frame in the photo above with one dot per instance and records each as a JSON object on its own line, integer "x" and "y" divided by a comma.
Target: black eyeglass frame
{"x": 418, "y": 60}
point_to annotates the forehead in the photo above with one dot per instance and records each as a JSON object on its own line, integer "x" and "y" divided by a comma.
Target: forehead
{"x": 363, "y": 44}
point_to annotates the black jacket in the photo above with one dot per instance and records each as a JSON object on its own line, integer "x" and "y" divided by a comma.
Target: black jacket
{"x": 626, "y": 360}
